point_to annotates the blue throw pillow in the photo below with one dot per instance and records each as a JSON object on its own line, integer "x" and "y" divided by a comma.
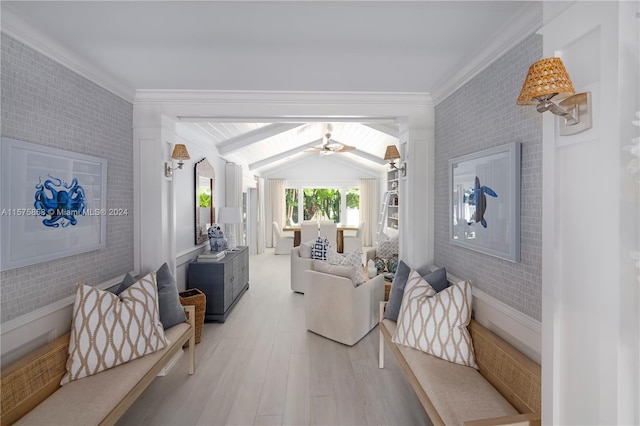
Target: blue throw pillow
{"x": 437, "y": 279}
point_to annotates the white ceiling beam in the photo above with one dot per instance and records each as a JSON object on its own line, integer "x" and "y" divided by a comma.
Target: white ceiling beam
{"x": 283, "y": 155}
{"x": 367, "y": 156}
{"x": 387, "y": 129}
{"x": 288, "y": 119}
{"x": 244, "y": 140}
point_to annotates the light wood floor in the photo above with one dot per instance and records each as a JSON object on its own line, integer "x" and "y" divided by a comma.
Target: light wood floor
{"x": 262, "y": 367}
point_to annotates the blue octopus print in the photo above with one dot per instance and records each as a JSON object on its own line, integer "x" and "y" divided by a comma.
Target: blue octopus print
{"x": 478, "y": 198}
{"x": 59, "y": 202}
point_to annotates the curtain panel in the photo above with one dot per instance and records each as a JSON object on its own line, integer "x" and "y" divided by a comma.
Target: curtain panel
{"x": 276, "y": 209}
{"x": 368, "y": 209}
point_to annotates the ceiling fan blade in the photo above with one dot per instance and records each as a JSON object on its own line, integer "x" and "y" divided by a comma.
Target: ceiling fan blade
{"x": 346, "y": 148}
{"x": 314, "y": 149}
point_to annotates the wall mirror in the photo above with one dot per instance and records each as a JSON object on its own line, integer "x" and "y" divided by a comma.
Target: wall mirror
{"x": 204, "y": 183}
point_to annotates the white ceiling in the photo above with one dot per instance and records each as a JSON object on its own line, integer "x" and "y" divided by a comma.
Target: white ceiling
{"x": 374, "y": 46}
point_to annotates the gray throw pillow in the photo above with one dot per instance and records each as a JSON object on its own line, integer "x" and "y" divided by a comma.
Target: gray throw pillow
{"x": 127, "y": 282}
{"x": 397, "y": 291}
{"x": 437, "y": 279}
{"x": 169, "y": 307}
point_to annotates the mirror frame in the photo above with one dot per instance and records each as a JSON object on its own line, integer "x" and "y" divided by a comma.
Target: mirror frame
{"x": 203, "y": 169}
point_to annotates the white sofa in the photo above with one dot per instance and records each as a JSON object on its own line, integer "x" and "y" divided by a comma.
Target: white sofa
{"x": 335, "y": 309}
{"x": 298, "y": 266}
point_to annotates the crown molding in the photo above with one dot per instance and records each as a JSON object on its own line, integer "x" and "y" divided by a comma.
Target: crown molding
{"x": 26, "y": 33}
{"x": 508, "y": 36}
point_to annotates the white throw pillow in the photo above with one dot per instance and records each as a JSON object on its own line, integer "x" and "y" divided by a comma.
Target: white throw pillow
{"x": 353, "y": 259}
{"x": 387, "y": 246}
{"x": 109, "y": 330}
{"x": 305, "y": 249}
{"x": 436, "y": 323}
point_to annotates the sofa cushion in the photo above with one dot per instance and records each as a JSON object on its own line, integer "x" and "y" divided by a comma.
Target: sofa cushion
{"x": 98, "y": 394}
{"x": 341, "y": 271}
{"x": 169, "y": 307}
{"x": 108, "y": 330}
{"x": 447, "y": 384}
{"x": 436, "y": 323}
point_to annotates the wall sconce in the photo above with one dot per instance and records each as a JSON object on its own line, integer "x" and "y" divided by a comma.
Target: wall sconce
{"x": 393, "y": 154}
{"x": 179, "y": 153}
{"x": 549, "y": 79}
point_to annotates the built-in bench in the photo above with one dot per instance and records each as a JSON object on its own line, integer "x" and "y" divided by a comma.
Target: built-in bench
{"x": 31, "y": 392}
{"x": 505, "y": 390}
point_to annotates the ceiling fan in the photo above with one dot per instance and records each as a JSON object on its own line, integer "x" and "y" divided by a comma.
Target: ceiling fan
{"x": 329, "y": 147}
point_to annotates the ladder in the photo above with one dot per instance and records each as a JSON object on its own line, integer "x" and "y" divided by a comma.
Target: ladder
{"x": 384, "y": 212}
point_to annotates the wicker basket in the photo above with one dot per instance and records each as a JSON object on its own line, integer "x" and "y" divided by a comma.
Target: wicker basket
{"x": 198, "y": 299}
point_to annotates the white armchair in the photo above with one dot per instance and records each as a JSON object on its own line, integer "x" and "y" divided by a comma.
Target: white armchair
{"x": 298, "y": 266}
{"x": 337, "y": 310}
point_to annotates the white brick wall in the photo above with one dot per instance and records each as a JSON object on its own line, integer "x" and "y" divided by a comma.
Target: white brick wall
{"x": 480, "y": 115}
{"x": 45, "y": 103}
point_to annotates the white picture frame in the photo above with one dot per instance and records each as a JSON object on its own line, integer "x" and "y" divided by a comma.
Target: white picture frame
{"x": 484, "y": 207}
{"x": 52, "y": 203}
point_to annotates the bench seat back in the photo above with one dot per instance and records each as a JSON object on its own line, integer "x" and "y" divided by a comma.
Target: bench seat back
{"x": 516, "y": 377}
{"x": 28, "y": 382}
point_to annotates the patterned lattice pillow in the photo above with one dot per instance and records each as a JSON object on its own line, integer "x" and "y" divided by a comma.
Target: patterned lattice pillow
{"x": 109, "y": 330}
{"x": 387, "y": 246}
{"x": 319, "y": 248}
{"x": 353, "y": 259}
{"x": 436, "y": 323}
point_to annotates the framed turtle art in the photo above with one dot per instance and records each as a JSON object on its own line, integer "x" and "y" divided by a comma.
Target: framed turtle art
{"x": 484, "y": 208}
{"x": 52, "y": 203}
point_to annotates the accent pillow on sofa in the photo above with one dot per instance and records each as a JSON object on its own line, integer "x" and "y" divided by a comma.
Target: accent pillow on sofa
{"x": 436, "y": 323}
{"x": 108, "y": 330}
{"x": 437, "y": 279}
{"x": 169, "y": 307}
{"x": 306, "y": 248}
{"x": 353, "y": 259}
{"x": 319, "y": 249}
{"x": 387, "y": 246}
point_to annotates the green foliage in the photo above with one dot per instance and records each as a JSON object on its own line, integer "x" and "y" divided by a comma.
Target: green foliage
{"x": 291, "y": 199}
{"x": 205, "y": 197}
{"x": 322, "y": 201}
{"x": 353, "y": 198}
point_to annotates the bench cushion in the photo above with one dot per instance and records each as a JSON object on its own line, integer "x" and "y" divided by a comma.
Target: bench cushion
{"x": 457, "y": 392}
{"x": 99, "y": 394}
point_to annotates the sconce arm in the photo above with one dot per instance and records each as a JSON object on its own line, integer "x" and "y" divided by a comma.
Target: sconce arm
{"x": 570, "y": 116}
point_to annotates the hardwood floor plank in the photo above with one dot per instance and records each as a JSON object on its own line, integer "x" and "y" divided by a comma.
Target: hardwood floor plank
{"x": 323, "y": 410}
{"x": 297, "y": 407}
{"x": 275, "y": 382}
{"x": 245, "y": 405}
{"x": 268, "y": 421}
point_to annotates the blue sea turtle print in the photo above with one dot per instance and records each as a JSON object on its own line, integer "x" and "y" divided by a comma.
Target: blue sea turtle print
{"x": 478, "y": 198}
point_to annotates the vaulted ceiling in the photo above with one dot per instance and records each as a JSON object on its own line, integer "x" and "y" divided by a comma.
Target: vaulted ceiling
{"x": 375, "y": 46}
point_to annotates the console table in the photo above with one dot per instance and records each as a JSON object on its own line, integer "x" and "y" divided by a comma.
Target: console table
{"x": 223, "y": 282}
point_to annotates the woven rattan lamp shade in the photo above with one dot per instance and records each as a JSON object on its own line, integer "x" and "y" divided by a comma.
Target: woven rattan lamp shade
{"x": 180, "y": 152}
{"x": 391, "y": 153}
{"x": 545, "y": 77}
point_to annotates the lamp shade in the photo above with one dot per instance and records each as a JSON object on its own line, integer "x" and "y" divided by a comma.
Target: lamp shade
{"x": 545, "y": 79}
{"x": 229, "y": 215}
{"x": 180, "y": 152}
{"x": 391, "y": 153}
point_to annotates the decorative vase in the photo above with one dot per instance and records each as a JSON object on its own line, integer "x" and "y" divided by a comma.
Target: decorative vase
{"x": 372, "y": 271}
{"x": 392, "y": 264}
{"x": 380, "y": 265}
{"x": 216, "y": 239}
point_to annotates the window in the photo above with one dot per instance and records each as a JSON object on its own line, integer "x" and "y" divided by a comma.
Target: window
{"x": 340, "y": 205}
